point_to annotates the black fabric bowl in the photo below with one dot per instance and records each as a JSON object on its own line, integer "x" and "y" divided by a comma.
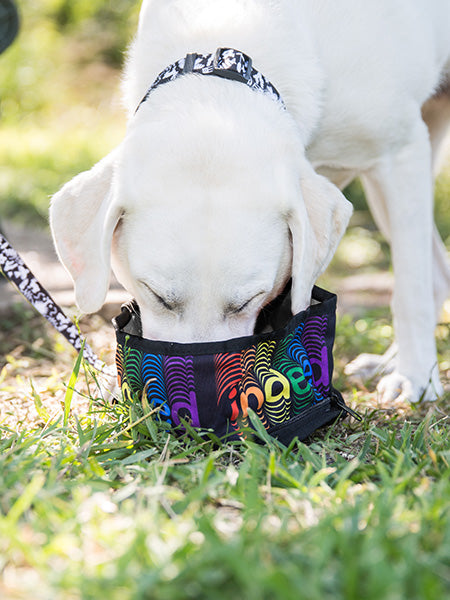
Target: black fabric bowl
{"x": 282, "y": 373}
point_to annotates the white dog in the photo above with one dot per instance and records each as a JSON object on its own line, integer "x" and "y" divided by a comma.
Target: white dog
{"x": 218, "y": 195}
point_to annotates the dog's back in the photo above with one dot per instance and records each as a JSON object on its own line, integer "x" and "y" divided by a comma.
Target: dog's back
{"x": 349, "y": 72}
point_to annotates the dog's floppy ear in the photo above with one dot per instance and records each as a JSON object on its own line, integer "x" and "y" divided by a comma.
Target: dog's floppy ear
{"x": 316, "y": 225}
{"x": 83, "y": 216}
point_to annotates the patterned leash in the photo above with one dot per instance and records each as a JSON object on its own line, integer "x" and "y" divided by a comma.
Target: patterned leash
{"x": 20, "y": 275}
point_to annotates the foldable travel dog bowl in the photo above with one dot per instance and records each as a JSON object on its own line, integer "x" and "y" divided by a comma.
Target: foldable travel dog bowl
{"x": 283, "y": 375}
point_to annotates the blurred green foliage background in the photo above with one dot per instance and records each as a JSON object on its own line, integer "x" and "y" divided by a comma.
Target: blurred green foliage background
{"x": 59, "y": 97}
{"x": 60, "y": 104}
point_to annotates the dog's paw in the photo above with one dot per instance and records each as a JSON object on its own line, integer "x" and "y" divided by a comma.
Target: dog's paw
{"x": 367, "y": 366}
{"x": 393, "y": 385}
{"x": 396, "y": 387}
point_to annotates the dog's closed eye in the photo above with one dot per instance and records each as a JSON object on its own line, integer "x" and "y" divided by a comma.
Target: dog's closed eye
{"x": 234, "y": 308}
{"x": 172, "y": 305}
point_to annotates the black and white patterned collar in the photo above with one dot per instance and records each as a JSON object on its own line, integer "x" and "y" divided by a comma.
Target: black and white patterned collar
{"x": 226, "y": 63}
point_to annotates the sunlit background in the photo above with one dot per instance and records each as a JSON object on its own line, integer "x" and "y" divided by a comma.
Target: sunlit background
{"x": 61, "y": 108}
{"x": 60, "y": 100}
{"x": 60, "y": 112}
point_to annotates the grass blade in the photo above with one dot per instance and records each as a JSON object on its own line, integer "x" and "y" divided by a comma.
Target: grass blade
{"x": 71, "y": 387}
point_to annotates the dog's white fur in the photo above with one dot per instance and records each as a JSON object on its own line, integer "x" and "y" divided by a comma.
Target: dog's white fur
{"x": 217, "y": 196}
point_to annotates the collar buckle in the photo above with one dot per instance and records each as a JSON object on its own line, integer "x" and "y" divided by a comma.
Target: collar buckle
{"x": 238, "y": 69}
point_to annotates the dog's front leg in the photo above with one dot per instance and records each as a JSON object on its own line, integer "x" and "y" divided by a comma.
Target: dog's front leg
{"x": 400, "y": 191}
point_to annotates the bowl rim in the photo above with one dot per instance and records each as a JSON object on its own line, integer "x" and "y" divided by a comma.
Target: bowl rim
{"x": 325, "y": 305}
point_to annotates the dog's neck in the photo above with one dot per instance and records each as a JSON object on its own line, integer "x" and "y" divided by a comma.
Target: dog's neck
{"x": 168, "y": 30}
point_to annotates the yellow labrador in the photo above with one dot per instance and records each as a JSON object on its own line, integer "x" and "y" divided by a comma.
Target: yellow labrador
{"x": 219, "y": 193}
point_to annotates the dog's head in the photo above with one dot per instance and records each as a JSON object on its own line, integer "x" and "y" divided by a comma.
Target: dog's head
{"x": 207, "y": 212}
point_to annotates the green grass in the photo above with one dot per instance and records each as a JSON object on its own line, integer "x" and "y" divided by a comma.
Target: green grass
{"x": 95, "y": 501}
{"x": 95, "y": 509}
{"x": 109, "y": 506}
